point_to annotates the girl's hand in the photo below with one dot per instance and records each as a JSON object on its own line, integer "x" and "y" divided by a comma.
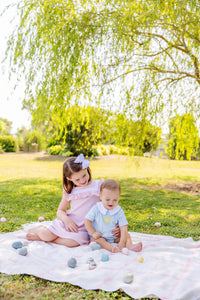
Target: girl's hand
{"x": 96, "y": 235}
{"x": 71, "y": 225}
{"x": 116, "y": 232}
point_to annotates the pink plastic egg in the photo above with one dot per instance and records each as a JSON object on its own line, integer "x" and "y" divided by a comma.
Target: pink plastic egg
{"x": 125, "y": 251}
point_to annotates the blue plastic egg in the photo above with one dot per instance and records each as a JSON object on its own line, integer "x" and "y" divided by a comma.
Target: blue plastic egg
{"x": 23, "y": 251}
{"x": 95, "y": 246}
{"x": 104, "y": 257}
{"x": 17, "y": 245}
{"x": 72, "y": 262}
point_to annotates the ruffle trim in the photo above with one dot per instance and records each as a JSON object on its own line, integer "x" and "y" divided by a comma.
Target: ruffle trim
{"x": 93, "y": 191}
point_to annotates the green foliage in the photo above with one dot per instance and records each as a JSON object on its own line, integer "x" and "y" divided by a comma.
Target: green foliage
{"x": 30, "y": 140}
{"x": 59, "y": 150}
{"x": 8, "y": 143}
{"x": 5, "y": 127}
{"x": 141, "y": 136}
{"x": 110, "y": 149}
{"x": 107, "y": 51}
{"x": 1, "y": 149}
{"x": 55, "y": 150}
{"x": 80, "y": 129}
{"x": 183, "y": 137}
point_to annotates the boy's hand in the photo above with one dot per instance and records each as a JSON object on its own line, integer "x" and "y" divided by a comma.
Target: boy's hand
{"x": 96, "y": 235}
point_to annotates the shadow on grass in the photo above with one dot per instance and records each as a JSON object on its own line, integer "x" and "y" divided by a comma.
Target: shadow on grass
{"x": 48, "y": 157}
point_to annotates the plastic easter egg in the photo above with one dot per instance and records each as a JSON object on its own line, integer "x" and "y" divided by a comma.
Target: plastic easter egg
{"x": 125, "y": 251}
{"x": 95, "y": 246}
{"x": 41, "y": 219}
{"x": 3, "y": 219}
{"x": 23, "y": 251}
{"x": 128, "y": 278}
{"x": 17, "y": 245}
{"x": 90, "y": 259}
{"x": 157, "y": 224}
{"x": 92, "y": 265}
{"x": 140, "y": 259}
{"x": 104, "y": 257}
{"x": 72, "y": 262}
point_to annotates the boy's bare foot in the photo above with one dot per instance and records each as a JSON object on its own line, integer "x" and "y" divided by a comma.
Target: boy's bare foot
{"x": 135, "y": 247}
{"x": 115, "y": 249}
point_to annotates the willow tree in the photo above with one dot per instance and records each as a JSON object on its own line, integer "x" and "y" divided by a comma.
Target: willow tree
{"x": 183, "y": 138}
{"x": 141, "y": 56}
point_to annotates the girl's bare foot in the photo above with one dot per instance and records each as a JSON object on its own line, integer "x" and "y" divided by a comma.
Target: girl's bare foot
{"x": 32, "y": 237}
{"x": 135, "y": 247}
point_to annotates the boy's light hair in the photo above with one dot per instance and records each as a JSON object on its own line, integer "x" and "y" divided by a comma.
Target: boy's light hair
{"x": 110, "y": 184}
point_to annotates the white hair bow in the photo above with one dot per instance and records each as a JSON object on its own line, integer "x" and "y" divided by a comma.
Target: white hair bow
{"x": 80, "y": 159}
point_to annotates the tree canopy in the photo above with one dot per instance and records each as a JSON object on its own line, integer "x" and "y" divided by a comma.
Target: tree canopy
{"x": 141, "y": 57}
{"x": 5, "y": 126}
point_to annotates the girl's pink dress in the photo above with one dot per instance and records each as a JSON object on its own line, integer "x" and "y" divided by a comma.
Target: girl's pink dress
{"x": 81, "y": 201}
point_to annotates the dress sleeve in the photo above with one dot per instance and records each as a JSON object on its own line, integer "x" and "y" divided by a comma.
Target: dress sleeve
{"x": 66, "y": 196}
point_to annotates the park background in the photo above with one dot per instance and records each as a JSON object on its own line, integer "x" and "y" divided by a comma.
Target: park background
{"x": 119, "y": 82}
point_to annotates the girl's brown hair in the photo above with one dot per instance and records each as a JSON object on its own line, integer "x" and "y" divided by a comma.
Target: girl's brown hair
{"x": 69, "y": 168}
{"x": 110, "y": 184}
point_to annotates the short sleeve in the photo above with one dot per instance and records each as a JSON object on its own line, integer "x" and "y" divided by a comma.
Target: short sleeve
{"x": 91, "y": 215}
{"x": 66, "y": 196}
{"x": 122, "y": 218}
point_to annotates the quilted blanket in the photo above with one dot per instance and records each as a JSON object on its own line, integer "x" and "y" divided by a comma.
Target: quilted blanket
{"x": 170, "y": 269}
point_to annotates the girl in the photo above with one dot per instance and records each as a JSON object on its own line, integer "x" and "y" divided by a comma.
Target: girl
{"x": 81, "y": 192}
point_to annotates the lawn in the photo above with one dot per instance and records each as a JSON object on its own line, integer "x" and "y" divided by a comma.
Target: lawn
{"x": 153, "y": 190}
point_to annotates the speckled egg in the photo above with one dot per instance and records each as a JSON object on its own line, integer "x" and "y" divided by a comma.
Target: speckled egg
{"x": 140, "y": 259}
{"x": 23, "y": 251}
{"x": 90, "y": 259}
{"x": 128, "y": 278}
{"x": 95, "y": 246}
{"x": 125, "y": 251}
{"x": 3, "y": 219}
{"x": 72, "y": 262}
{"x": 104, "y": 257}
{"x": 92, "y": 265}
{"x": 17, "y": 245}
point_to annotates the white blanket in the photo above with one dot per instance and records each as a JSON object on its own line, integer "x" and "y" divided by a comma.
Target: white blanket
{"x": 170, "y": 270}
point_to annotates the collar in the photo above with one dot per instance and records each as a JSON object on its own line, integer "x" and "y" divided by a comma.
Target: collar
{"x": 103, "y": 210}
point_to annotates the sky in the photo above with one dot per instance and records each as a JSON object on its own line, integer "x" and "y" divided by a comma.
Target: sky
{"x": 10, "y": 98}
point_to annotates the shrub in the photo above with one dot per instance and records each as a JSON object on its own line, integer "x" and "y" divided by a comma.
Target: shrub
{"x": 8, "y": 143}
{"x": 1, "y": 149}
{"x": 66, "y": 153}
{"x": 55, "y": 150}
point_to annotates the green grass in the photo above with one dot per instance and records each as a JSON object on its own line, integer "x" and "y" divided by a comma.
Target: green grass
{"x": 31, "y": 186}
